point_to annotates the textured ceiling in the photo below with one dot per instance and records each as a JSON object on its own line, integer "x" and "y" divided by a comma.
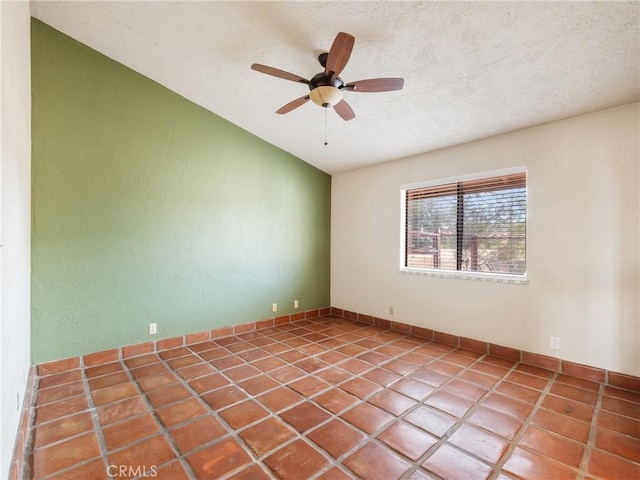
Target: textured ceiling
{"x": 471, "y": 69}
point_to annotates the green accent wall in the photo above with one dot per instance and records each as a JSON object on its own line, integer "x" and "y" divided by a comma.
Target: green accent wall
{"x": 149, "y": 208}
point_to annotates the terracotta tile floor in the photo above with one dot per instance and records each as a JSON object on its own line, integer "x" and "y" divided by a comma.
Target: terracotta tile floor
{"x": 330, "y": 399}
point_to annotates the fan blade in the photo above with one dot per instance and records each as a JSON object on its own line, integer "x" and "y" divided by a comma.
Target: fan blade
{"x": 343, "y": 109}
{"x": 276, "y": 72}
{"x": 376, "y": 85}
{"x": 339, "y": 54}
{"x": 293, "y": 105}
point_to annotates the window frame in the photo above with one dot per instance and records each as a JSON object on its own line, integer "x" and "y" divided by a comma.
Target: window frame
{"x": 461, "y": 274}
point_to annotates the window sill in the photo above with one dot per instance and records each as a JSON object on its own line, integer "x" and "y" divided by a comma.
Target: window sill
{"x": 466, "y": 275}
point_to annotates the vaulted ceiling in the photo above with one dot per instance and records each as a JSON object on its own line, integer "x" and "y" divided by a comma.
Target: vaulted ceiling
{"x": 471, "y": 69}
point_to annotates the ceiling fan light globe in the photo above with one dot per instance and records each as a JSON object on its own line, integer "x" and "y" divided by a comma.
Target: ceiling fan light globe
{"x": 325, "y": 96}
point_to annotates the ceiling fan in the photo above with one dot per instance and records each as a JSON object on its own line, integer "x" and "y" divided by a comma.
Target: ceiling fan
{"x": 326, "y": 88}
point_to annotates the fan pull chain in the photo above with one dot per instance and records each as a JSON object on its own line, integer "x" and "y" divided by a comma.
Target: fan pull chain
{"x": 325, "y": 127}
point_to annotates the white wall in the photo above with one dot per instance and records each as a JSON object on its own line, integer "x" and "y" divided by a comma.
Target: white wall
{"x": 15, "y": 219}
{"x": 582, "y": 250}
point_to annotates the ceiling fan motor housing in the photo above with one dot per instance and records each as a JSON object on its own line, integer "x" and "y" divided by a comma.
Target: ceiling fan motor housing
{"x": 322, "y": 80}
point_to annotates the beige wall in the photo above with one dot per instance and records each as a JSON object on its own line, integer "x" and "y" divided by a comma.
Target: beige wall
{"x": 582, "y": 250}
{"x": 15, "y": 219}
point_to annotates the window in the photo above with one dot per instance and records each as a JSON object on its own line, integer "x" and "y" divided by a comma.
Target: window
{"x": 471, "y": 225}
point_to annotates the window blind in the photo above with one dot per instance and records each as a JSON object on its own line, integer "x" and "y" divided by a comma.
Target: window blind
{"x": 477, "y": 225}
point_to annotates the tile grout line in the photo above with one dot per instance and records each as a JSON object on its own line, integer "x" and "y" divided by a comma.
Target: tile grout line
{"x": 335, "y": 462}
{"x": 460, "y": 421}
{"x": 164, "y": 431}
{"x": 93, "y": 413}
{"x": 515, "y": 442}
{"x": 368, "y": 437}
{"x": 525, "y": 423}
{"x": 94, "y": 416}
{"x": 372, "y": 437}
{"x": 417, "y": 464}
{"x": 231, "y": 432}
{"x": 332, "y": 462}
{"x": 591, "y": 438}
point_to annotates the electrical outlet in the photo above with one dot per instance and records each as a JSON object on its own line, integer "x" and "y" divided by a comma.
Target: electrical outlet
{"x": 295, "y": 304}
{"x": 274, "y": 307}
{"x": 555, "y": 343}
{"x": 391, "y": 310}
{"x": 153, "y": 328}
